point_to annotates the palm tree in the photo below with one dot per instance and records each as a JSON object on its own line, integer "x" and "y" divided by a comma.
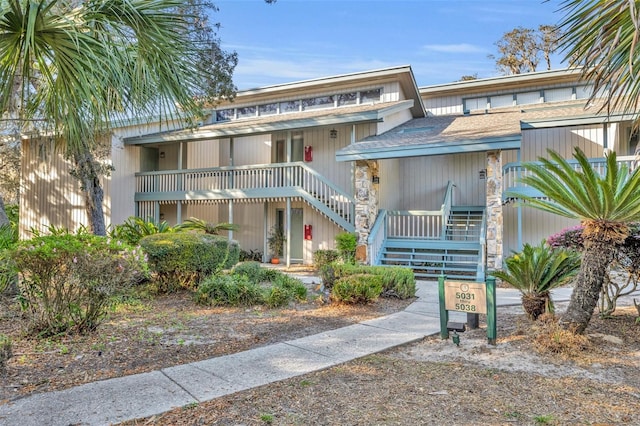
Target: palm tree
{"x": 605, "y": 205}
{"x": 604, "y": 38}
{"x": 70, "y": 70}
{"x": 195, "y": 224}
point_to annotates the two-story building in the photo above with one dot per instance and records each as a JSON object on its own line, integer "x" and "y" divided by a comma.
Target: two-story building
{"x": 420, "y": 174}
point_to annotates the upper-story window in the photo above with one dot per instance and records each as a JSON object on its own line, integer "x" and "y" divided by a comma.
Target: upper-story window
{"x": 318, "y": 103}
{"x": 345, "y": 99}
{"x": 369, "y": 96}
{"x": 268, "y": 109}
{"x": 224, "y": 114}
{"x": 249, "y": 111}
{"x": 289, "y": 106}
{"x": 307, "y": 104}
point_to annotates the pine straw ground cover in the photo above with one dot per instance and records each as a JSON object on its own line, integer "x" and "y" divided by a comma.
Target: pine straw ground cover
{"x": 146, "y": 334}
{"x": 527, "y": 379}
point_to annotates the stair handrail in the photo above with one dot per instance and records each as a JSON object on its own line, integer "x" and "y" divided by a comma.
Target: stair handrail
{"x": 376, "y": 239}
{"x": 446, "y": 207}
{"x": 337, "y": 197}
{"x": 482, "y": 259}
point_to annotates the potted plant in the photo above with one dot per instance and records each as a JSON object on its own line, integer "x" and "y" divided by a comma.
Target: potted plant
{"x": 276, "y": 240}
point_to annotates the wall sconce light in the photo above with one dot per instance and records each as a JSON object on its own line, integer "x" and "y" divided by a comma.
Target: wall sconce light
{"x": 333, "y": 133}
{"x": 161, "y": 216}
{"x": 161, "y": 154}
{"x": 482, "y": 174}
{"x": 375, "y": 179}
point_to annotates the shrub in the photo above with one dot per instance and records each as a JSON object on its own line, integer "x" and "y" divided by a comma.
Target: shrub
{"x": 229, "y": 289}
{"x": 135, "y": 228}
{"x": 346, "y": 244}
{"x": 568, "y": 238}
{"x": 324, "y": 257}
{"x": 397, "y": 281}
{"x": 356, "y": 289}
{"x": 5, "y": 352}
{"x": 292, "y": 286}
{"x": 251, "y": 255}
{"x": 182, "y": 259}
{"x": 535, "y": 272}
{"x": 253, "y": 271}
{"x": 195, "y": 224}
{"x": 68, "y": 280}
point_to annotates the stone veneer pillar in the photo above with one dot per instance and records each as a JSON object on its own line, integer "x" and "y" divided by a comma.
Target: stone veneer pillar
{"x": 494, "y": 228}
{"x": 366, "y": 208}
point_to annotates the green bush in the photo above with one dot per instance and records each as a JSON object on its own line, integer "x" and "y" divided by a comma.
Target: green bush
{"x": 135, "y": 228}
{"x": 397, "y": 281}
{"x": 250, "y": 284}
{"x": 67, "y": 281}
{"x": 535, "y": 272}
{"x": 229, "y": 289}
{"x": 346, "y": 244}
{"x": 182, "y": 259}
{"x": 5, "y": 352}
{"x": 324, "y": 257}
{"x": 357, "y": 289}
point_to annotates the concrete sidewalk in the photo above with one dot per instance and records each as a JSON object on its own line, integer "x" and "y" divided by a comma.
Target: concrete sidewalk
{"x": 141, "y": 395}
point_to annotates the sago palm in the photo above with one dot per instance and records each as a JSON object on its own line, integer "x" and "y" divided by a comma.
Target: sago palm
{"x": 604, "y": 204}
{"x": 537, "y": 270}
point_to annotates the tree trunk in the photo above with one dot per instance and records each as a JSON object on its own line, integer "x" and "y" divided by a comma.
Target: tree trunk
{"x": 4, "y": 220}
{"x": 587, "y": 286}
{"x": 87, "y": 172}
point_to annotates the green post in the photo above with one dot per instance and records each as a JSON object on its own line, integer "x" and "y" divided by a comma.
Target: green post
{"x": 444, "y": 314}
{"x": 491, "y": 310}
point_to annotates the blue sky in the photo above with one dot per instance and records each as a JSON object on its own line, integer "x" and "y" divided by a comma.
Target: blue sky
{"x": 442, "y": 40}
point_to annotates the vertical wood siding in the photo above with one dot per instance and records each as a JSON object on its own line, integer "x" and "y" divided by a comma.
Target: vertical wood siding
{"x": 394, "y": 120}
{"x": 49, "y": 194}
{"x": 389, "y": 196}
{"x": 423, "y": 180}
{"x": 121, "y": 188}
{"x": 252, "y": 150}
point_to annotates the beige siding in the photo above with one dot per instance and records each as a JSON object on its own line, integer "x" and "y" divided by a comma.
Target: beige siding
{"x": 445, "y": 105}
{"x": 202, "y": 154}
{"x": 537, "y": 225}
{"x": 393, "y": 121}
{"x": 252, "y": 150}
{"x": 205, "y": 211}
{"x": 50, "y": 195}
{"x": 121, "y": 188}
{"x": 423, "y": 180}
{"x": 389, "y": 172}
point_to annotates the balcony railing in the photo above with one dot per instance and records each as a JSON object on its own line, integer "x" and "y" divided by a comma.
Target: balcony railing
{"x": 260, "y": 181}
{"x": 513, "y": 172}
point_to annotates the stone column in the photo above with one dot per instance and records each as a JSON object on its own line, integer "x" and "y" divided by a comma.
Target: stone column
{"x": 494, "y": 228}
{"x": 366, "y": 208}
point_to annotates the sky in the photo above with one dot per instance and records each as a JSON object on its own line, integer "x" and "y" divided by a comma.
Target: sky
{"x": 442, "y": 40}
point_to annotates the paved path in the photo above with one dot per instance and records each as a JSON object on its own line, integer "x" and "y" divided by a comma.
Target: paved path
{"x": 141, "y": 395}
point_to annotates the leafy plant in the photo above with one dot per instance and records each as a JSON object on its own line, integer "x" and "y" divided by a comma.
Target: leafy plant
{"x": 229, "y": 289}
{"x": 251, "y": 255}
{"x": 195, "y": 224}
{"x": 183, "y": 259}
{"x": 397, "y": 281}
{"x": 324, "y": 257}
{"x": 357, "y": 289}
{"x": 276, "y": 240}
{"x": 67, "y": 281}
{"x": 535, "y": 272}
{"x": 346, "y": 244}
{"x": 135, "y": 228}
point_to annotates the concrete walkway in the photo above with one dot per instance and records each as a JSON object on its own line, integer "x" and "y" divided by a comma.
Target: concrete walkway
{"x": 141, "y": 395}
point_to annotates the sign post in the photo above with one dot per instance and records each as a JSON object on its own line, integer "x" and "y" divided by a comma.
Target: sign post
{"x": 468, "y": 297}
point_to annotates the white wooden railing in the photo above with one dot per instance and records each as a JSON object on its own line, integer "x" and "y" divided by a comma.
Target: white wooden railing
{"x": 513, "y": 172}
{"x": 174, "y": 183}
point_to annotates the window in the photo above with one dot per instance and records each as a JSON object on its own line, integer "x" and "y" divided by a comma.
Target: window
{"x": 557, "y": 95}
{"x": 268, "y": 109}
{"x": 528, "y": 98}
{"x": 473, "y": 104}
{"x": 348, "y": 99}
{"x": 224, "y": 114}
{"x": 249, "y": 111}
{"x": 289, "y": 106}
{"x": 370, "y": 96}
{"x": 318, "y": 103}
{"x": 501, "y": 101}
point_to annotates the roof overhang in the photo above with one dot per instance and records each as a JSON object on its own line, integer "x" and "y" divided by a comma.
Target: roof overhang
{"x": 574, "y": 121}
{"x": 354, "y": 152}
{"x": 251, "y": 128}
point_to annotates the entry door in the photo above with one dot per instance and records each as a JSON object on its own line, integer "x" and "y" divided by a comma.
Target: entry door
{"x": 297, "y": 149}
{"x": 297, "y": 231}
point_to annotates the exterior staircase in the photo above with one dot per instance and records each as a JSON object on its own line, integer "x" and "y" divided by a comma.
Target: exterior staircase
{"x": 457, "y": 252}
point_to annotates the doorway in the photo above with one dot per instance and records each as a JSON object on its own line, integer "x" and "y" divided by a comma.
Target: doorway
{"x": 297, "y": 232}
{"x": 297, "y": 149}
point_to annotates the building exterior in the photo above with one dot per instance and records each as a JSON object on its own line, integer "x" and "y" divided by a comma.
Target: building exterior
{"x": 424, "y": 176}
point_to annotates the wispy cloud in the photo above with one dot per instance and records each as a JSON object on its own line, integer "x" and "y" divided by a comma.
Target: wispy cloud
{"x": 455, "y": 48}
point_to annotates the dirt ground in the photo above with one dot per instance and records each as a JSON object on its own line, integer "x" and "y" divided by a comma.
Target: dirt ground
{"x": 431, "y": 382}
